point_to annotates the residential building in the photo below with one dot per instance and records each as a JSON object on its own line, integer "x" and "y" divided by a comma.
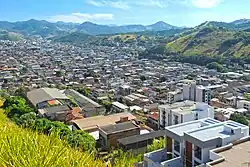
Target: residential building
{"x": 111, "y": 133}
{"x": 92, "y": 123}
{"x": 53, "y": 104}
{"x": 189, "y": 144}
{"x": 153, "y": 120}
{"x": 243, "y": 104}
{"x": 138, "y": 143}
{"x": 118, "y": 107}
{"x": 136, "y": 99}
{"x": 235, "y": 154}
{"x": 174, "y": 96}
{"x": 203, "y": 94}
{"x": 45, "y": 97}
{"x": 189, "y": 91}
{"x": 124, "y": 90}
{"x": 89, "y": 107}
{"x": 199, "y": 93}
{"x": 184, "y": 111}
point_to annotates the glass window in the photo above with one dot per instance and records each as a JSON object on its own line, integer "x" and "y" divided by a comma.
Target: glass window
{"x": 176, "y": 119}
{"x": 177, "y": 146}
{"x": 197, "y": 152}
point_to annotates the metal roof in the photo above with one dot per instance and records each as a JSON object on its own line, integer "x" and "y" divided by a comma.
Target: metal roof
{"x": 140, "y": 138}
{"x": 44, "y": 94}
{"x": 119, "y": 127}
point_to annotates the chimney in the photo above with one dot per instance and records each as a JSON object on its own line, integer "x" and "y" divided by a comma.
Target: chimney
{"x": 123, "y": 119}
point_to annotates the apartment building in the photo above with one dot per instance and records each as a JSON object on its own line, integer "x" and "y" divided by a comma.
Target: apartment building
{"x": 189, "y": 144}
{"x": 174, "y": 96}
{"x": 184, "y": 111}
{"x": 243, "y": 104}
{"x": 199, "y": 93}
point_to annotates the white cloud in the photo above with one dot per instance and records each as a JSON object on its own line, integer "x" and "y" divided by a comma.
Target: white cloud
{"x": 114, "y": 4}
{"x": 127, "y": 4}
{"x": 152, "y": 3}
{"x": 205, "y": 3}
{"x": 80, "y": 17}
{"x": 94, "y": 3}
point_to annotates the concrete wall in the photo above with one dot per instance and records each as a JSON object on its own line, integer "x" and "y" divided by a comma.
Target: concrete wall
{"x": 112, "y": 138}
{"x": 173, "y": 162}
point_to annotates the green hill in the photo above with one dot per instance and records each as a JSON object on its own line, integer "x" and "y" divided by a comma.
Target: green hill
{"x": 25, "y": 148}
{"x": 5, "y": 35}
{"x": 212, "y": 41}
{"x": 75, "y": 37}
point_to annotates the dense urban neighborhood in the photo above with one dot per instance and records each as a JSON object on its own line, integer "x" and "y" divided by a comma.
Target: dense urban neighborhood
{"x": 127, "y": 106}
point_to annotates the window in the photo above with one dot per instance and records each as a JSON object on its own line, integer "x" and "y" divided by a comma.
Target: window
{"x": 196, "y": 116}
{"x": 176, "y": 119}
{"x": 197, "y": 152}
{"x": 177, "y": 146}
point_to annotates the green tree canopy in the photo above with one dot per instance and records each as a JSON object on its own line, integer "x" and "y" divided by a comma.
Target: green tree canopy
{"x": 15, "y": 106}
{"x": 239, "y": 118}
{"x": 82, "y": 140}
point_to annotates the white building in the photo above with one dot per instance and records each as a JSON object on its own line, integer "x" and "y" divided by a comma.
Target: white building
{"x": 184, "y": 111}
{"x": 243, "y": 104}
{"x": 189, "y": 91}
{"x": 203, "y": 94}
{"x": 199, "y": 93}
{"x": 119, "y": 107}
{"x": 174, "y": 96}
{"x": 189, "y": 144}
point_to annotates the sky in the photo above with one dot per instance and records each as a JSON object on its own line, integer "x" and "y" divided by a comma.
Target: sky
{"x": 122, "y": 12}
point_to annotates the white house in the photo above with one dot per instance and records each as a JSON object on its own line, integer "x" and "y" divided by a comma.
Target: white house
{"x": 184, "y": 111}
{"x": 189, "y": 144}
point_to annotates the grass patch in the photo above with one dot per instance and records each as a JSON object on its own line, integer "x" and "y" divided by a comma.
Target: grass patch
{"x": 26, "y": 148}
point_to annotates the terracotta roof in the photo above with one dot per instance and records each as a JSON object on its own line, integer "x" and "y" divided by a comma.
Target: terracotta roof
{"x": 154, "y": 116}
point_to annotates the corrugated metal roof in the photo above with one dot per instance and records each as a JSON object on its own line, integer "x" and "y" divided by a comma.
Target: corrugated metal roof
{"x": 44, "y": 94}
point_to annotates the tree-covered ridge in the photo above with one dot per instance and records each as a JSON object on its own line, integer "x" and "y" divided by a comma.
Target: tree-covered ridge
{"x": 212, "y": 41}
{"x": 5, "y": 35}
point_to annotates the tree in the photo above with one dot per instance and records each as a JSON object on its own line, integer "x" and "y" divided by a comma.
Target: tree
{"x": 143, "y": 78}
{"x": 239, "y": 118}
{"x": 216, "y": 66}
{"x": 26, "y": 120}
{"x": 15, "y": 106}
{"x": 85, "y": 91}
{"x": 82, "y": 140}
{"x": 246, "y": 96}
{"x": 107, "y": 104}
{"x": 156, "y": 145}
{"x": 21, "y": 91}
{"x": 59, "y": 73}
{"x": 163, "y": 79}
{"x": 73, "y": 103}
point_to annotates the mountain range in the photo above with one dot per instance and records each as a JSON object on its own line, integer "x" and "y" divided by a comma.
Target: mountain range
{"x": 209, "y": 42}
{"x": 45, "y": 28}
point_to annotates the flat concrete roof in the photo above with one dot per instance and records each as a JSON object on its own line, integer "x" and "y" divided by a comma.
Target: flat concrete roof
{"x": 216, "y": 131}
{"x": 210, "y": 133}
{"x": 237, "y": 156}
{"x": 180, "y": 129}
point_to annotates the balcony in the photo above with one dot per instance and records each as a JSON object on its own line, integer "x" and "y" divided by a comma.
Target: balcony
{"x": 162, "y": 158}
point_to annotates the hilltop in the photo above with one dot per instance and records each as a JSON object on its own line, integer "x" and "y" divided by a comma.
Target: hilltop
{"x": 212, "y": 43}
{"x": 47, "y": 29}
